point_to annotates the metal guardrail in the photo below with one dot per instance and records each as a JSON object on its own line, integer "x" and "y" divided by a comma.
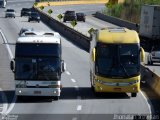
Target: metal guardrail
{"x": 117, "y": 21}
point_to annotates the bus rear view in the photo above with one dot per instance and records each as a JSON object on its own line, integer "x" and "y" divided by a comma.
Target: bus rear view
{"x": 38, "y": 64}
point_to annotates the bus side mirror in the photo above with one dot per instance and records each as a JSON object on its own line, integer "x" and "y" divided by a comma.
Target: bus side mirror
{"x": 12, "y": 65}
{"x": 93, "y": 54}
{"x": 142, "y": 54}
{"x": 63, "y": 69}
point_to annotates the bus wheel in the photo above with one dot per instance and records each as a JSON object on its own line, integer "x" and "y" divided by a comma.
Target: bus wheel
{"x": 20, "y": 98}
{"x": 56, "y": 98}
{"x": 133, "y": 94}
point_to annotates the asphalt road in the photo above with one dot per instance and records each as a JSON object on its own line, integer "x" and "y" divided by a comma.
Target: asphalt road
{"x": 77, "y": 102}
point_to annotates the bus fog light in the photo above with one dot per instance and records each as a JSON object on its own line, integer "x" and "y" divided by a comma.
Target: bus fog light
{"x": 20, "y": 91}
{"x": 55, "y": 92}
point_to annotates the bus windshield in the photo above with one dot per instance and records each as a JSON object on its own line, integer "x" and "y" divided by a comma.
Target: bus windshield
{"x": 118, "y": 60}
{"x": 37, "y": 50}
{"x": 37, "y": 69}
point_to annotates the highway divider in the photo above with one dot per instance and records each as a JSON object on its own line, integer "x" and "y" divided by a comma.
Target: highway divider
{"x": 117, "y": 21}
{"x": 151, "y": 78}
{"x": 73, "y": 35}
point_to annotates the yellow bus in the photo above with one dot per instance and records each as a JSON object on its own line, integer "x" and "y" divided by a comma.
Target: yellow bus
{"x": 115, "y": 58}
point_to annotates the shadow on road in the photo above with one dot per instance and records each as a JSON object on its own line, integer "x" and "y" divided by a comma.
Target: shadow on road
{"x": 68, "y": 93}
{"x": 86, "y": 93}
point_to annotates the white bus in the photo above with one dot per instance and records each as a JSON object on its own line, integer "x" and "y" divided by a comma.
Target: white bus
{"x": 38, "y": 64}
{"x": 3, "y": 3}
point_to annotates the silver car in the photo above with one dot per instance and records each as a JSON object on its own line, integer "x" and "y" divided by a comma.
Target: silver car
{"x": 154, "y": 56}
{"x": 10, "y": 13}
{"x": 24, "y": 30}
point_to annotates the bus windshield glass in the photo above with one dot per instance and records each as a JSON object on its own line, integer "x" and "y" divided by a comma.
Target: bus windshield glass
{"x": 37, "y": 50}
{"x": 118, "y": 60}
{"x": 37, "y": 69}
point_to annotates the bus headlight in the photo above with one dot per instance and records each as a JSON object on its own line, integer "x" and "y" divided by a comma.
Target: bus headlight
{"x": 99, "y": 81}
{"x": 134, "y": 82}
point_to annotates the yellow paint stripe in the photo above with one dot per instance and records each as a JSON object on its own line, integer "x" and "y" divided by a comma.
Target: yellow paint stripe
{"x": 72, "y": 2}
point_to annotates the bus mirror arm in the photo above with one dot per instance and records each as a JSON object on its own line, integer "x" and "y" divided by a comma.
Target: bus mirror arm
{"x": 63, "y": 67}
{"x": 12, "y": 65}
{"x": 93, "y": 54}
{"x": 142, "y": 54}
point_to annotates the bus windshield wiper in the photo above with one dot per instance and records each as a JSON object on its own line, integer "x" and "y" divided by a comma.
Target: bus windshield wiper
{"x": 124, "y": 69}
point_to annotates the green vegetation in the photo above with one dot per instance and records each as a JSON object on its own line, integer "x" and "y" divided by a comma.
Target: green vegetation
{"x": 129, "y": 10}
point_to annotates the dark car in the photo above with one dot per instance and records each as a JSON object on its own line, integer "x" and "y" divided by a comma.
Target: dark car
{"x": 25, "y": 12}
{"x": 81, "y": 17}
{"x": 24, "y": 30}
{"x": 34, "y": 16}
{"x": 69, "y": 16}
{"x": 10, "y": 13}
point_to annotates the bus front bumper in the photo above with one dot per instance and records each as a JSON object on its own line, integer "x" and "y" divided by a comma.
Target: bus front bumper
{"x": 38, "y": 91}
{"x": 134, "y": 88}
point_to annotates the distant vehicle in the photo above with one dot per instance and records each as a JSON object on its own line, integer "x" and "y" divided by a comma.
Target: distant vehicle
{"x": 154, "y": 56}
{"x": 25, "y": 12}
{"x": 38, "y": 64}
{"x": 115, "y": 61}
{"x": 3, "y": 3}
{"x": 81, "y": 17}
{"x": 69, "y": 16}
{"x": 10, "y": 13}
{"x": 34, "y": 16}
{"x": 24, "y": 30}
{"x": 150, "y": 24}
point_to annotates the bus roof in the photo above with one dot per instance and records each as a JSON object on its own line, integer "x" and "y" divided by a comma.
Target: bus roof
{"x": 39, "y": 37}
{"x": 117, "y": 35}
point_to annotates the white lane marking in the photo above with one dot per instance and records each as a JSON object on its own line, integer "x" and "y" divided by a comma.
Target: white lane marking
{"x": 5, "y": 111}
{"x": 75, "y": 118}
{"x": 79, "y": 107}
{"x": 76, "y": 87}
{"x": 73, "y": 80}
{"x": 7, "y": 46}
{"x": 4, "y": 100}
{"x": 68, "y": 73}
{"x": 149, "y": 104}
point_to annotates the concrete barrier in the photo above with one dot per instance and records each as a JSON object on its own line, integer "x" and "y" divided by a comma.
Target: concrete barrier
{"x": 117, "y": 21}
{"x": 152, "y": 79}
{"x": 73, "y": 35}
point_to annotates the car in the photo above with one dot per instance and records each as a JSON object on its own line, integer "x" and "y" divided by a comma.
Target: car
{"x": 69, "y": 16}
{"x": 81, "y": 17}
{"x": 34, "y": 16}
{"x": 24, "y": 30}
{"x": 25, "y": 12}
{"x": 10, "y": 13}
{"x": 154, "y": 56}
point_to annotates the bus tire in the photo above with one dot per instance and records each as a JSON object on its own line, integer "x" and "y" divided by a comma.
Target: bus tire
{"x": 56, "y": 98}
{"x": 133, "y": 94}
{"x": 20, "y": 98}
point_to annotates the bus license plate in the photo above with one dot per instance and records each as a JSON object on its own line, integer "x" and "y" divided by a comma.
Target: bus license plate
{"x": 117, "y": 89}
{"x": 37, "y": 92}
